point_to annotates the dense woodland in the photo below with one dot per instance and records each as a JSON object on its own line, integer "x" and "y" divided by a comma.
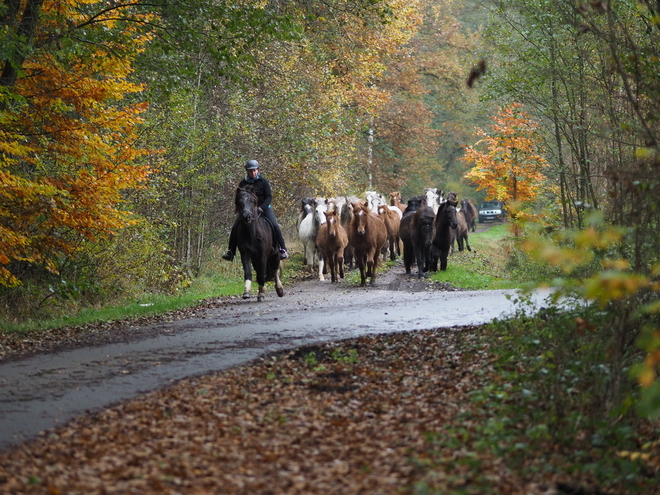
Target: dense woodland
{"x": 124, "y": 127}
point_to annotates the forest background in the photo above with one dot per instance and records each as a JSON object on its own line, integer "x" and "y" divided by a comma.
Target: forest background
{"x": 124, "y": 127}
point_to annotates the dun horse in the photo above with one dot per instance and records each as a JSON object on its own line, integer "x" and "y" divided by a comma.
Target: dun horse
{"x": 332, "y": 240}
{"x": 470, "y": 211}
{"x": 256, "y": 244}
{"x": 392, "y": 223}
{"x": 460, "y": 233}
{"x": 367, "y": 235}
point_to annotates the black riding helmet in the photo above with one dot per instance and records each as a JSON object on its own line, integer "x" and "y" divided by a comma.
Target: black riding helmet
{"x": 251, "y": 165}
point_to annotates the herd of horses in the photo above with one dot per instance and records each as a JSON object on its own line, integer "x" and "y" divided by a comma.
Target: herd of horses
{"x": 357, "y": 232}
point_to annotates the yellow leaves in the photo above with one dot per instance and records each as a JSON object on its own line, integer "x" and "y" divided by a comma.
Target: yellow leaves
{"x": 607, "y": 286}
{"x": 76, "y": 132}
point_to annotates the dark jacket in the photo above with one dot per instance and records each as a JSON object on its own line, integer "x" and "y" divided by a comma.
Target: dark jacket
{"x": 261, "y": 189}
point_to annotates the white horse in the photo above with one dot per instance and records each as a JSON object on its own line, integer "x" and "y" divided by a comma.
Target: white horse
{"x": 307, "y": 232}
{"x": 434, "y": 197}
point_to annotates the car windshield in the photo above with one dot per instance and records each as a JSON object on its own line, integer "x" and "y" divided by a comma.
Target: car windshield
{"x": 491, "y": 204}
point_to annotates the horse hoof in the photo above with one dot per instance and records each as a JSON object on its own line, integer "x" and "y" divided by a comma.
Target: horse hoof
{"x": 280, "y": 291}
{"x": 260, "y": 298}
{"x": 246, "y": 295}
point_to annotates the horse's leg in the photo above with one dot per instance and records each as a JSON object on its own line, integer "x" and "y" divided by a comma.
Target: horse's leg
{"x": 340, "y": 264}
{"x": 260, "y": 267}
{"x": 372, "y": 264}
{"x": 443, "y": 259}
{"x": 322, "y": 268}
{"x": 279, "y": 288}
{"x": 467, "y": 244}
{"x": 360, "y": 262}
{"x": 419, "y": 257}
{"x": 247, "y": 275}
{"x": 408, "y": 257}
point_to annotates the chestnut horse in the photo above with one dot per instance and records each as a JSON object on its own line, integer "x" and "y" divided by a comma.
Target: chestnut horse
{"x": 445, "y": 220}
{"x": 256, "y": 244}
{"x": 367, "y": 235}
{"x": 392, "y": 223}
{"x": 332, "y": 240}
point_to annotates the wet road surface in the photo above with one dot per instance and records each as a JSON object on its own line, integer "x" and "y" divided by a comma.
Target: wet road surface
{"x": 47, "y": 390}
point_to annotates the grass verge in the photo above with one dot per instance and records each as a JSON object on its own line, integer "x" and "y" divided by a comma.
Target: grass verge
{"x": 483, "y": 268}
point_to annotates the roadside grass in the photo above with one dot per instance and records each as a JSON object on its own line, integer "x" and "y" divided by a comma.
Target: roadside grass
{"x": 485, "y": 267}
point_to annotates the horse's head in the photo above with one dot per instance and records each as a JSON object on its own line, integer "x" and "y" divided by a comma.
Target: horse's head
{"x": 360, "y": 215}
{"x": 246, "y": 203}
{"x": 382, "y": 209}
{"x": 424, "y": 225}
{"x": 332, "y": 219}
{"x": 319, "y": 212}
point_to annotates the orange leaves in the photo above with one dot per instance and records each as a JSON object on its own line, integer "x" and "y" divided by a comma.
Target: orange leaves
{"x": 68, "y": 150}
{"x": 511, "y": 168}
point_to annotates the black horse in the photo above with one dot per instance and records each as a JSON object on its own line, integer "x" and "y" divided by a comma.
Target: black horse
{"x": 255, "y": 242}
{"x": 421, "y": 236}
{"x": 405, "y": 230}
{"x": 445, "y": 219}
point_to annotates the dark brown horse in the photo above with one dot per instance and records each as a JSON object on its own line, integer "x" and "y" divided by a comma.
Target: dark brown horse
{"x": 421, "y": 238}
{"x": 414, "y": 204}
{"x": 255, "y": 242}
{"x": 445, "y": 220}
{"x": 367, "y": 235}
{"x": 332, "y": 240}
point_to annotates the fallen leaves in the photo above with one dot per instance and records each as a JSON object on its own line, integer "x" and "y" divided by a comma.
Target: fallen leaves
{"x": 379, "y": 414}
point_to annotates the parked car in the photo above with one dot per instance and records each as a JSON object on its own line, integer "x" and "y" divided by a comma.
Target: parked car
{"x": 492, "y": 211}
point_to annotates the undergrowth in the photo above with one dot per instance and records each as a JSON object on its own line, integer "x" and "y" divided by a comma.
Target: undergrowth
{"x": 559, "y": 404}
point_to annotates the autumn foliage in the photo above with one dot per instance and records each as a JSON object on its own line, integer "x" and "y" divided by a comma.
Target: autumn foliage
{"x": 68, "y": 134}
{"x": 511, "y": 167}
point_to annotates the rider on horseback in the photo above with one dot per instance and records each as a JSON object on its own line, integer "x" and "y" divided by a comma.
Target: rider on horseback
{"x": 264, "y": 196}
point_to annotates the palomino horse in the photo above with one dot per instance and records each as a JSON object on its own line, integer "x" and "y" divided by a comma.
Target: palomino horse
{"x": 307, "y": 232}
{"x": 332, "y": 241}
{"x": 367, "y": 235}
{"x": 256, "y": 244}
{"x": 392, "y": 223}
{"x": 445, "y": 220}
